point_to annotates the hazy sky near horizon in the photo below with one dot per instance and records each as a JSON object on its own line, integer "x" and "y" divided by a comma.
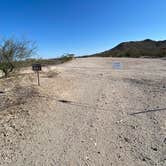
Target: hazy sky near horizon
{"x": 82, "y": 26}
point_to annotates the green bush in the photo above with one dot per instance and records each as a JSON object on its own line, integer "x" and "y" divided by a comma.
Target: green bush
{"x": 12, "y": 51}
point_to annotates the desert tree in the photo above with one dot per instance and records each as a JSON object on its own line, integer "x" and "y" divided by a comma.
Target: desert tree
{"x": 12, "y": 50}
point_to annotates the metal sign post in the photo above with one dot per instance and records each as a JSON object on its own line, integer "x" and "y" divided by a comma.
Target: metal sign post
{"x": 37, "y": 68}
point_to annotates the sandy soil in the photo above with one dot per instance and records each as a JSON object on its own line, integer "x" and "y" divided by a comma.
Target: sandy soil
{"x": 85, "y": 113}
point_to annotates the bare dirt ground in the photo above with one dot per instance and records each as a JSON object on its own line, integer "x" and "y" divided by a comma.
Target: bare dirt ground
{"x": 85, "y": 114}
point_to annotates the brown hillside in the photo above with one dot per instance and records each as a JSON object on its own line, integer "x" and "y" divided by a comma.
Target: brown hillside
{"x": 145, "y": 48}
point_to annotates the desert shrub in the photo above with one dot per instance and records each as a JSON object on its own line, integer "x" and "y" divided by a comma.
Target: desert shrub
{"x": 13, "y": 51}
{"x": 67, "y": 57}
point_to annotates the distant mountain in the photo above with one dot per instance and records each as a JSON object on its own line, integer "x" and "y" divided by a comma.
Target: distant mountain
{"x": 146, "y": 48}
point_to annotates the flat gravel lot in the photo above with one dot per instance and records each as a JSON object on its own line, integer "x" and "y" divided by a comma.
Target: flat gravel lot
{"x": 85, "y": 113}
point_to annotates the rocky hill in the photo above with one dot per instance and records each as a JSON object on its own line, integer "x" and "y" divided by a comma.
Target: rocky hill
{"x": 146, "y": 48}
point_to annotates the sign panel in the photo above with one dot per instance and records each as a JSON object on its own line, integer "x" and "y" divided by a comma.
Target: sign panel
{"x": 36, "y": 67}
{"x": 117, "y": 65}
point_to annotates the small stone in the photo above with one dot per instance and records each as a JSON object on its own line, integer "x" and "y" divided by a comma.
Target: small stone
{"x": 120, "y": 121}
{"x": 164, "y": 140}
{"x": 91, "y": 125}
{"x": 20, "y": 134}
{"x": 133, "y": 127}
{"x": 87, "y": 158}
{"x": 119, "y": 156}
{"x": 126, "y": 139}
{"x": 4, "y": 134}
{"x": 154, "y": 149}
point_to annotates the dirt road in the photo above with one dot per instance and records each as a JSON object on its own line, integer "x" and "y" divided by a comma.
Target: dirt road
{"x": 88, "y": 114}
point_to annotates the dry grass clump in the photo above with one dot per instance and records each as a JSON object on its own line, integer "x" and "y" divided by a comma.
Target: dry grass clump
{"x": 19, "y": 95}
{"x": 51, "y": 74}
{"x": 15, "y": 91}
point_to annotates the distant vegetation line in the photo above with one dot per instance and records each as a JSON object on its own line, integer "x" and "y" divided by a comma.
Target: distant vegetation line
{"x": 43, "y": 62}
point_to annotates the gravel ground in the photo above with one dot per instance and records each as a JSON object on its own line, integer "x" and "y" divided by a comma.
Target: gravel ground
{"x": 86, "y": 113}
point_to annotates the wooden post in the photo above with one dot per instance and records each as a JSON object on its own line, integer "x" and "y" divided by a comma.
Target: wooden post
{"x": 37, "y": 68}
{"x": 38, "y": 79}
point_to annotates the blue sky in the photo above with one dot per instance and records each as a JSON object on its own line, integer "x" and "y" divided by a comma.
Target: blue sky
{"x": 82, "y": 26}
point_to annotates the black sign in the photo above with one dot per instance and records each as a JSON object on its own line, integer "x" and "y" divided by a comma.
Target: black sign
{"x": 36, "y": 67}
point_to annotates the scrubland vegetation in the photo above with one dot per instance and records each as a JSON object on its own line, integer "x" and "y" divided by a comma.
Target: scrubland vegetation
{"x": 15, "y": 54}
